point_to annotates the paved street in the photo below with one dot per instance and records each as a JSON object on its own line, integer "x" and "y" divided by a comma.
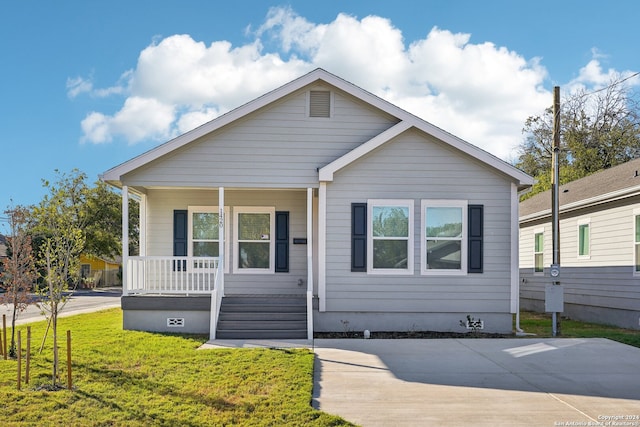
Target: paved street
{"x": 82, "y": 301}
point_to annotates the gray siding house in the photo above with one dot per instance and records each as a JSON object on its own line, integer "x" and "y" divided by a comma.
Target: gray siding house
{"x": 320, "y": 207}
{"x": 599, "y": 247}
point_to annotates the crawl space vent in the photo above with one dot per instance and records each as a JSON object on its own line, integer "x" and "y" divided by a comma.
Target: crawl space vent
{"x": 175, "y": 322}
{"x": 475, "y": 324}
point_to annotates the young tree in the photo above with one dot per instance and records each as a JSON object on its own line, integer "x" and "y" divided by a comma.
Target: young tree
{"x": 60, "y": 218}
{"x": 598, "y": 130}
{"x": 19, "y": 272}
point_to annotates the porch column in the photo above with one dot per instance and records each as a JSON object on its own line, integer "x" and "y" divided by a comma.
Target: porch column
{"x": 322, "y": 242}
{"x": 142, "y": 238}
{"x": 125, "y": 238}
{"x": 310, "y": 263}
{"x": 221, "y": 242}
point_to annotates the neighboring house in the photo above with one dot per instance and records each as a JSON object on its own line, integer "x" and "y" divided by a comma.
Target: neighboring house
{"x": 369, "y": 217}
{"x": 599, "y": 247}
{"x": 99, "y": 272}
{"x": 3, "y": 251}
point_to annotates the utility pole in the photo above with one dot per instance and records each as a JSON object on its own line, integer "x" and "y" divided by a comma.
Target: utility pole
{"x": 555, "y": 206}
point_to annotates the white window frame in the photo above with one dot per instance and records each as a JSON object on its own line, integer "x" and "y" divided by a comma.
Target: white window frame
{"x": 580, "y": 223}
{"x": 636, "y": 245}
{"x": 436, "y": 203}
{"x": 538, "y": 231}
{"x": 408, "y": 203}
{"x": 208, "y": 209}
{"x": 272, "y": 242}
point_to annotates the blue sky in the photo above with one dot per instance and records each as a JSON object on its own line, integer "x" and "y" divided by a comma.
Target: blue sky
{"x": 88, "y": 84}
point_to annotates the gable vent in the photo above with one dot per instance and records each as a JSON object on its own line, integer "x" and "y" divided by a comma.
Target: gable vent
{"x": 319, "y": 103}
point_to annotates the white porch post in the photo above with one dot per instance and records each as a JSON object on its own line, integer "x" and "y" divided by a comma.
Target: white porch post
{"x": 221, "y": 241}
{"x": 142, "y": 238}
{"x": 310, "y": 263}
{"x": 322, "y": 241}
{"x": 125, "y": 238}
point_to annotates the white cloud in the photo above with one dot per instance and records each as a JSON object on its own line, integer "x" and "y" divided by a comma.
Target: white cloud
{"x": 480, "y": 92}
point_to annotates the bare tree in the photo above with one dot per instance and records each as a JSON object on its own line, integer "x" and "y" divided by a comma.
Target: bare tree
{"x": 599, "y": 130}
{"x": 19, "y": 272}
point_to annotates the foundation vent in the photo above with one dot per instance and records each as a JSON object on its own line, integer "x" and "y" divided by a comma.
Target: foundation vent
{"x": 175, "y": 322}
{"x": 475, "y": 325}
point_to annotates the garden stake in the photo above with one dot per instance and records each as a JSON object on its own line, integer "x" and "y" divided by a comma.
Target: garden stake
{"x": 1, "y": 351}
{"x": 69, "y": 384}
{"x": 19, "y": 360}
{"x": 27, "y": 364}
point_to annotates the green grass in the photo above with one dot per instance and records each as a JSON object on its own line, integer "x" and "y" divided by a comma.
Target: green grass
{"x": 140, "y": 379}
{"x": 540, "y": 324}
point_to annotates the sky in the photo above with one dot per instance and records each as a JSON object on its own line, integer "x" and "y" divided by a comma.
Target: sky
{"x": 90, "y": 84}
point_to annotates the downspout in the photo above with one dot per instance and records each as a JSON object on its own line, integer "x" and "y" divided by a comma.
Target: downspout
{"x": 516, "y": 208}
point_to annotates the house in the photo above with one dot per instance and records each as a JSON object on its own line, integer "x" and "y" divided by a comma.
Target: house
{"x": 599, "y": 247}
{"x": 325, "y": 206}
{"x": 98, "y": 271}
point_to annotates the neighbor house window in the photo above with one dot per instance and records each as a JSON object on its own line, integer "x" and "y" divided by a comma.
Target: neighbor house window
{"x": 444, "y": 244}
{"x": 390, "y": 248}
{"x": 538, "y": 252}
{"x": 254, "y": 240}
{"x": 204, "y": 233}
{"x": 583, "y": 239}
{"x": 637, "y": 244}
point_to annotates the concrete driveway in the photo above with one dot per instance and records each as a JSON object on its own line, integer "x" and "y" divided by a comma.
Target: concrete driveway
{"x": 478, "y": 382}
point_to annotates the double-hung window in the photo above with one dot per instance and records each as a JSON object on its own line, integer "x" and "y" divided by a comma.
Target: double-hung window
{"x": 254, "y": 240}
{"x": 636, "y": 244}
{"x": 538, "y": 251}
{"x": 204, "y": 233}
{"x": 444, "y": 237}
{"x": 390, "y": 235}
{"x": 584, "y": 249}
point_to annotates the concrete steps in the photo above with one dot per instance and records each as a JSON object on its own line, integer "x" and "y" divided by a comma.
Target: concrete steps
{"x": 262, "y": 317}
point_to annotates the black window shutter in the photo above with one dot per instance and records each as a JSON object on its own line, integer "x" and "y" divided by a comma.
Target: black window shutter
{"x": 282, "y": 242}
{"x": 180, "y": 239}
{"x": 475, "y": 237}
{"x": 358, "y": 237}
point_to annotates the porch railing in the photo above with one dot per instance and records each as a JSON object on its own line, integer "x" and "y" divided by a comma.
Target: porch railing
{"x": 170, "y": 275}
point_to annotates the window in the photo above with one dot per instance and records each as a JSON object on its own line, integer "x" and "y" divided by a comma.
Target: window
{"x": 254, "y": 240}
{"x": 637, "y": 244}
{"x": 583, "y": 239}
{"x": 320, "y": 103}
{"x": 390, "y": 248}
{"x": 204, "y": 233}
{"x": 538, "y": 252}
{"x": 444, "y": 243}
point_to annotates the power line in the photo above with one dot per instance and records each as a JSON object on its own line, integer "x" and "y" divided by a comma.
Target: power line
{"x": 611, "y": 85}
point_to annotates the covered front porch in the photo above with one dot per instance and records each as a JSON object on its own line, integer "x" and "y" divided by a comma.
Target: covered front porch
{"x": 198, "y": 247}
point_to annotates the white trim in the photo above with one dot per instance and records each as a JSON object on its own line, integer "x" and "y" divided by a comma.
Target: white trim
{"x": 310, "y": 263}
{"x": 223, "y": 229}
{"x": 114, "y": 175}
{"x": 142, "y": 238}
{"x": 515, "y": 251}
{"x": 322, "y": 247}
{"x": 237, "y": 210}
{"x": 207, "y": 209}
{"x": 125, "y": 237}
{"x": 430, "y": 203}
{"x": 326, "y": 173}
{"x": 410, "y": 205}
{"x": 580, "y": 222}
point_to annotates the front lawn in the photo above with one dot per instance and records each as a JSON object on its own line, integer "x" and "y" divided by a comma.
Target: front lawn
{"x": 141, "y": 379}
{"x": 540, "y": 324}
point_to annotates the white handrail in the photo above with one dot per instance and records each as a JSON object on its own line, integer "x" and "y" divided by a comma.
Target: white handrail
{"x": 171, "y": 275}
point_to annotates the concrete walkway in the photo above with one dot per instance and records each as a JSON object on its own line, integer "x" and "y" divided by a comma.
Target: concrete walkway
{"x": 478, "y": 382}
